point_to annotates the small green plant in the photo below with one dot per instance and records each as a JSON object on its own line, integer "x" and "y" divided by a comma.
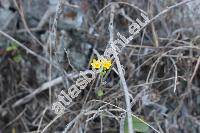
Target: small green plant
{"x": 13, "y": 47}
{"x": 17, "y": 58}
{"x": 100, "y": 93}
{"x": 138, "y": 125}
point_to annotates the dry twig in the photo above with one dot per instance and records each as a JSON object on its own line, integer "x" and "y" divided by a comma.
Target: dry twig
{"x": 121, "y": 74}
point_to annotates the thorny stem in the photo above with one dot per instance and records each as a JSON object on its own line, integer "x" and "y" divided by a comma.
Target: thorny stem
{"x": 121, "y": 74}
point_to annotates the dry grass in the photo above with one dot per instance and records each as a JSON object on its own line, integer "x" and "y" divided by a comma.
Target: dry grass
{"x": 155, "y": 77}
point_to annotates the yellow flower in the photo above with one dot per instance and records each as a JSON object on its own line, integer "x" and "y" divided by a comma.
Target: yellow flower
{"x": 106, "y": 63}
{"x": 96, "y": 64}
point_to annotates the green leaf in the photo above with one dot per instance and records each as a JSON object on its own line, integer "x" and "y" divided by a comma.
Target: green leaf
{"x": 100, "y": 93}
{"x": 138, "y": 125}
{"x": 17, "y": 58}
{"x": 11, "y": 47}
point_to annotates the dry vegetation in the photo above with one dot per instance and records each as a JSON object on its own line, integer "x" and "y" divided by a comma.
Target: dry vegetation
{"x": 44, "y": 44}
